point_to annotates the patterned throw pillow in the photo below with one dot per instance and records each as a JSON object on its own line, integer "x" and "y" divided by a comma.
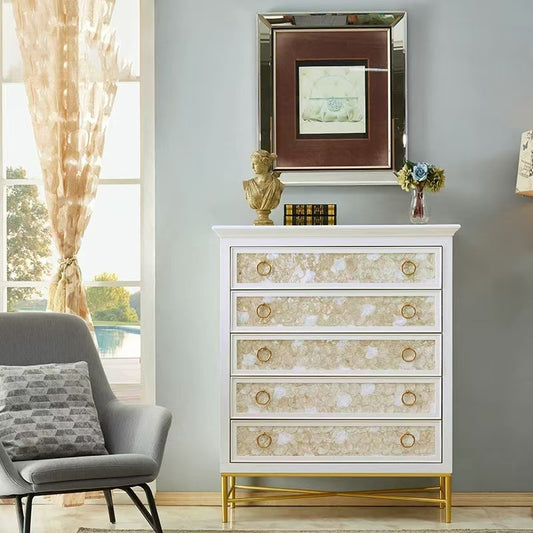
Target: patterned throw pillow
{"x": 48, "y": 411}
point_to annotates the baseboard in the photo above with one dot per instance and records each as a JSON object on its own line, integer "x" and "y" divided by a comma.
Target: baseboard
{"x": 459, "y": 499}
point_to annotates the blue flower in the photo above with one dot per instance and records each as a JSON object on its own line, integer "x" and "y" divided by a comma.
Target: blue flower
{"x": 420, "y": 171}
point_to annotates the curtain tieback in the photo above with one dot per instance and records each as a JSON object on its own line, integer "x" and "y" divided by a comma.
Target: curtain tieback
{"x": 68, "y": 261}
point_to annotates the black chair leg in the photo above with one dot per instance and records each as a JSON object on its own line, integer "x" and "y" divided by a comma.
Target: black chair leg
{"x": 110, "y": 509}
{"x": 151, "y": 517}
{"x": 27, "y": 514}
{"x": 153, "y": 508}
{"x": 20, "y": 513}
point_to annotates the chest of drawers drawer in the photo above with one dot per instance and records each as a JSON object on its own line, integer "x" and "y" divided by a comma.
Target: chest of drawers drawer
{"x": 336, "y": 398}
{"x": 336, "y": 355}
{"x": 328, "y": 441}
{"x": 336, "y": 267}
{"x": 330, "y": 311}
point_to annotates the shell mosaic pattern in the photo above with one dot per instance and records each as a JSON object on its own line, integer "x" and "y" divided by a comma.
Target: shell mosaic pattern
{"x": 324, "y": 441}
{"x": 325, "y": 398}
{"x": 340, "y": 356}
{"x": 332, "y": 311}
{"x": 307, "y": 268}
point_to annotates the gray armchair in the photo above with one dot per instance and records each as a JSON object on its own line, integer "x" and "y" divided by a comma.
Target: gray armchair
{"x": 135, "y": 436}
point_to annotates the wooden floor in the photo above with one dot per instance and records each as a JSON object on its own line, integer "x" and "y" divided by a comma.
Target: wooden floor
{"x": 54, "y": 519}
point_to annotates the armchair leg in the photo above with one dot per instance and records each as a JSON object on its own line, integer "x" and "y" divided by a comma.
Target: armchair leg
{"x": 151, "y": 517}
{"x": 110, "y": 509}
{"x": 24, "y": 518}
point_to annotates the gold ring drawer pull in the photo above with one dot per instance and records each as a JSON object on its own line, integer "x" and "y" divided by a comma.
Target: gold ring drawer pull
{"x": 264, "y": 440}
{"x": 264, "y": 268}
{"x": 408, "y": 311}
{"x": 409, "y": 354}
{"x": 262, "y": 398}
{"x": 263, "y": 311}
{"x": 408, "y": 398}
{"x": 408, "y": 268}
{"x": 407, "y": 440}
{"x": 264, "y": 354}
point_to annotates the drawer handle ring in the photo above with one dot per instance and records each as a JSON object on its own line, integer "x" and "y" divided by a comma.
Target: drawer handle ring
{"x": 262, "y": 398}
{"x": 408, "y": 311}
{"x": 408, "y": 268}
{"x": 408, "y": 398}
{"x": 263, "y": 311}
{"x": 264, "y": 268}
{"x": 409, "y": 354}
{"x": 264, "y": 354}
{"x": 264, "y": 440}
{"x": 407, "y": 440}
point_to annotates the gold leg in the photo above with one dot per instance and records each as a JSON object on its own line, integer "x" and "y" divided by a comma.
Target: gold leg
{"x": 448, "y": 483}
{"x": 224, "y": 494}
{"x": 442, "y": 484}
{"x": 233, "y": 490}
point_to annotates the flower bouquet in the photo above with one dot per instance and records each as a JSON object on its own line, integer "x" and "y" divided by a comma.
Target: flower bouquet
{"x": 416, "y": 177}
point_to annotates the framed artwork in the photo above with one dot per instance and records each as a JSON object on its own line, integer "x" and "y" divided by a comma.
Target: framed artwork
{"x": 332, "y": 100}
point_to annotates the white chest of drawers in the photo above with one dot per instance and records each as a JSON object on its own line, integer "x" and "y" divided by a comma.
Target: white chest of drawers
{"x": 336, "y": 352}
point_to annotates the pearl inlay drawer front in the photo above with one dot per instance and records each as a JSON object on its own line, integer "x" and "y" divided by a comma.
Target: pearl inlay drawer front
{"x": 337, "y": 311}
{"x": 336, "y": 355}
{"x": 262, "y": 441}
{"x": 348, "y": 267}
{"x": 340, "y": 398}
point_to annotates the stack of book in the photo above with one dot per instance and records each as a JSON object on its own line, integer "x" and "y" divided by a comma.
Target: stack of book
{"x": 310, "y": 214}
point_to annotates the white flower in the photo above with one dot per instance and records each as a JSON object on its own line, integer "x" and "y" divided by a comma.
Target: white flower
{"x": 368, "y": 309}
{"x": 249, "y": 359}
{"x": 339, "y": 265}
{"x": 284, "y": 438}
{"x": 243, "y": 317}
{"x": 308, "y": 276}
{"x": 373, "y": 257}
{"x": 344, "y": 400}
{"x": 279, "y": 392}
{"x": 367, "y": 389}
{"x": 311, "y": 320}
{"x": 297, "y": 344}
{"x": 371, "y": 352}
{"x": 341, "y": 437}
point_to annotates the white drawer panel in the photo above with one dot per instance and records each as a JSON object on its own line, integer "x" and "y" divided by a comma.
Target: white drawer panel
{"x": 325, "y": 267}
{"x": 335, "y": 311}
{"x": 336, "y": 398}
{"x": 264, "y": 441}
{"x": 336, "y": 355}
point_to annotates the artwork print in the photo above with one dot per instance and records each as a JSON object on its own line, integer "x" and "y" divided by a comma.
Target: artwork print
{"x": 332, "y": 99}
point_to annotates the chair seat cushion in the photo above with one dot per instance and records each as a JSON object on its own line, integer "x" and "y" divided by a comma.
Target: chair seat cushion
{"x": 48, "y": 411}
{"x": 61, "y": 470}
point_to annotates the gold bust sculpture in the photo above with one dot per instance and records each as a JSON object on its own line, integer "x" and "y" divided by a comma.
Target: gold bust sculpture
{"x": 263, "y": 192}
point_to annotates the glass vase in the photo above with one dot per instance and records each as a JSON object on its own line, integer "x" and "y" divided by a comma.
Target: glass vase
{"x": 419, "y": 210}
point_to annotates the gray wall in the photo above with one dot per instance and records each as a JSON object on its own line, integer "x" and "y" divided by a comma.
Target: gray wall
{"x": 470, "y": 96}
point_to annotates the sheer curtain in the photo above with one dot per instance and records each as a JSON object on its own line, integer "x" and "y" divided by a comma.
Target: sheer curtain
{"x": 70, "y": 72}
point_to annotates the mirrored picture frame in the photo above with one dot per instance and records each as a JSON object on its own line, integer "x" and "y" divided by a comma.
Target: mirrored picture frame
{"x": 333, "y": 96}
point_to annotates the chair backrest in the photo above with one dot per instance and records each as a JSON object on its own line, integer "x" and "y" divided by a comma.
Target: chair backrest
{"x": 40, "y": 338}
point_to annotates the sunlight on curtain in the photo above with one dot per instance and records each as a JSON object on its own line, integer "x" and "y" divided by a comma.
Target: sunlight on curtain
{"x": 70, "y": 73}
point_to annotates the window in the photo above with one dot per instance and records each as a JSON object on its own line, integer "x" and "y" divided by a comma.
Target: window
{"x": 116, "y": 280}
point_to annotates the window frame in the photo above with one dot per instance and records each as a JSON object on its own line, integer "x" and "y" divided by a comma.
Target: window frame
{"x": 146, "y": 183}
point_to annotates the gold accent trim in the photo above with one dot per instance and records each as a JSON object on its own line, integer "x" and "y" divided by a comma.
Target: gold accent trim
{"x": 278, "y": 494}
{"x": 264, "y": 349}
{"x": 408, "y": 349}
{"x": 268, "y": 440}
{"x": 407, "y": 434}
{"x": 408, "y": 393}
{"x": 412, "y": 268}
{"x": 265, "y": 314}
{"x": 262, "y": 394}
{"x": 260, "y": 268}
{"x": 412, "y": 312}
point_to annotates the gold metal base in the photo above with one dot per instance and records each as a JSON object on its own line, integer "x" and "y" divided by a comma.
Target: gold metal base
{"x": 230, "y": 498}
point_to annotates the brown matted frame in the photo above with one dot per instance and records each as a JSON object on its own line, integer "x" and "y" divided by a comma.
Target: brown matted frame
{"x": 310, "y": 159}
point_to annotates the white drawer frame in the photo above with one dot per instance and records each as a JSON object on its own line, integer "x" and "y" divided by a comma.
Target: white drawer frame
{"x": 332, "y": 415}
{"x": 434, "y": 284}
{"x": 430, "y": 459}
{"x": 437, "y": 338}
{"x": 265, "y": 295}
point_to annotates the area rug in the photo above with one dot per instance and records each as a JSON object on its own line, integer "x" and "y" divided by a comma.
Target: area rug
{"x": 84, "y": 530}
